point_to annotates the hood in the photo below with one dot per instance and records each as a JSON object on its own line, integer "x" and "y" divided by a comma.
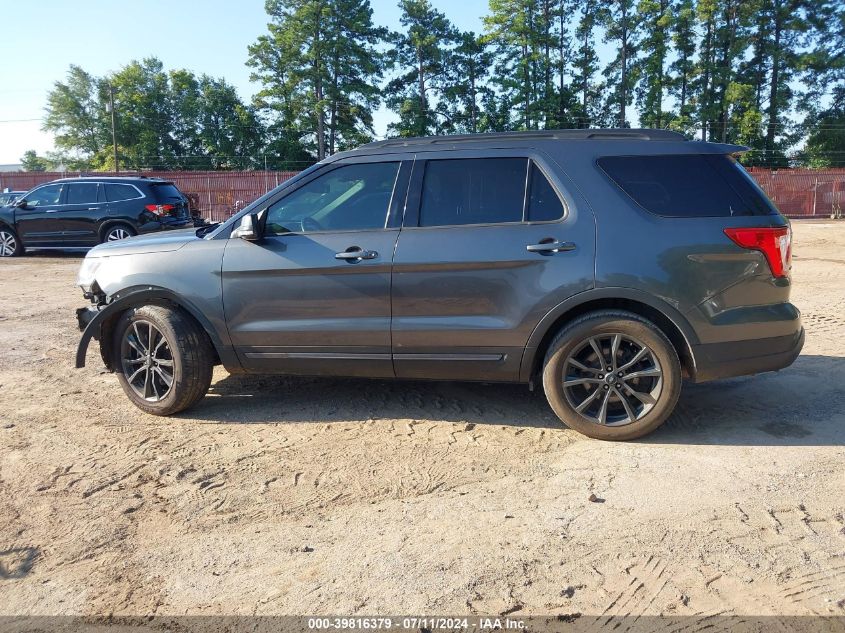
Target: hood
{"x": 160, "y": 242}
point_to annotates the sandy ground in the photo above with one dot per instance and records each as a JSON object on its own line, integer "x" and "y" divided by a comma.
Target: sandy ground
{"x": 306, "y": 496}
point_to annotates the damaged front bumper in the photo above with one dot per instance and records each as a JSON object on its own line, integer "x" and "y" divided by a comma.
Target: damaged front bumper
{"x": 84, "y": 316}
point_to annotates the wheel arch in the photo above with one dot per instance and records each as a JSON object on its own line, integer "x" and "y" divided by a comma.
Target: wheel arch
{"x": 670, "y": 321}
{"x": 102, "y": 325}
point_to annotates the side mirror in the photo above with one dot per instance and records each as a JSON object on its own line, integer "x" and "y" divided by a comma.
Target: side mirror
{"x": 249, "y": 228}
{"x": 20, "y": 203}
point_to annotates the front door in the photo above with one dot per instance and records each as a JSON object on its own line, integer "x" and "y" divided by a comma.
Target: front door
{"x": 489, "y": 246}
{"x": 37, "y": 217}
{"x": 313, "y": 295}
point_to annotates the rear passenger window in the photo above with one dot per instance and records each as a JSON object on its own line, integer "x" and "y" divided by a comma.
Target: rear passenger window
{"x": 543, "y": 202}
{"x": 701, "y": 185}
{"x": 473, "y": 191}
{"x": 116, "y": 193}
{"x": 81, "y": 193}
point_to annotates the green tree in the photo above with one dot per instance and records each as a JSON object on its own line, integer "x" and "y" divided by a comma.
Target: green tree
{"x": 465, "y": 89}
{"x": 30, "y": 161}
{"x": 229, "y": 132}
{"x": 355, "y": 69}
{"x": 825, "y": 145}
{"x": 76, "y": 115}
{"x": 144, "y": 115}
{"x": 163, "y": 120}
{"x": 788, "y": 25}
{"x": 318, "y": 67}
{"x": 621, "y": 28}
{"x": 656, "y": 20}
{"x": 732, "y": 38}
{"x": 420, "y": 53}
{"x": 682, "y": 68}
{"x": 586, "y": 61}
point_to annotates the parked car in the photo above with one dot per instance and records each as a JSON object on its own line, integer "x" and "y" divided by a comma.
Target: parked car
{"x": 8, "y": 197}
{"x": 604, "y": 265}
{"x": 80, "y": 212}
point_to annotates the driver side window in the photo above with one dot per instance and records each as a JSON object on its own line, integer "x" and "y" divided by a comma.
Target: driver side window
{"x": 44, "y": 196}
{"x": 349, "y": 198}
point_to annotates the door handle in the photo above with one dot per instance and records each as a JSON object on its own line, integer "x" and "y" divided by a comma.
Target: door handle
{"x": 356, "y": 253}
{"x": 551, "y": 246}
{"x": 93, "y": 209}
{"x": 51, "y": 211}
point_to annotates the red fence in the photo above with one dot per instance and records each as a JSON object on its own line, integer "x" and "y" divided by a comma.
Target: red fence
{"x": 216, "y": 194}
{"x": 800, "y": 193}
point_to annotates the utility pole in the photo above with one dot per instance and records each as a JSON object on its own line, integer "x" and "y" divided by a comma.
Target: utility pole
{"x": 113, "y": 133}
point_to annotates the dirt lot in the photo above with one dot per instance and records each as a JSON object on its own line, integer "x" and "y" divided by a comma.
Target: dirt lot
{"x": 302, "y": 496}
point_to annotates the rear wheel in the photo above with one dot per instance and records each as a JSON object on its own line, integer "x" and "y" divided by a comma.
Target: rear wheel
{"x": 612, "y": 375}
{"x": 117, "y": 232}
{"x": 163, "y": 359}
{"x": 10, "y": 245}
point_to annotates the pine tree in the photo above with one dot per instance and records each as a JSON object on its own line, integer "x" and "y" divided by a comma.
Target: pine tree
{"x": 509, "y": 29}
{"x": 706, "y": 11}
{"x": 655, "y": 18}
{"x": 317, "y": 65}
{"x": 788, "y": 25}
{"x": 420, "y": 52}
{"x": 586, "y": 61}
{"x": 683, "y": 40}
{"x": 466, "y": 89}
{"x": 621, "y": 28}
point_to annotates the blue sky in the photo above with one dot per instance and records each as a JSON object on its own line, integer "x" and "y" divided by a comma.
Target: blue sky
{"x": 41, "y": 38}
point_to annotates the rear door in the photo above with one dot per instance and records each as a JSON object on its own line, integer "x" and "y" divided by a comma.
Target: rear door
{"x": 313, "y": 296}
{"x": 38, "y": 223}
{"x": 81, "y": 214}
{"x": 489, "y": 245}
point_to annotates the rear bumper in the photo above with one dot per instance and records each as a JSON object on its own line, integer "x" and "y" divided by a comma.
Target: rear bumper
{"x": 742, "y": 358}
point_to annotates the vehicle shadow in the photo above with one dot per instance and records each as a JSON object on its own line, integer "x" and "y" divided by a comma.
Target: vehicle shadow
{"x": 17, "y": 562}
{"x": 803, "y": 405}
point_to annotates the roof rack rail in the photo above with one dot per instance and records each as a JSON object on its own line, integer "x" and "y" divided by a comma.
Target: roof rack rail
{"x": 642, "y": 134}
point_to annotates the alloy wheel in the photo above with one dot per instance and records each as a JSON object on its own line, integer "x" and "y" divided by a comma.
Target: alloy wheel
{"x": 612, "y": 379}
{"x": 147, "y": 361}
{"x": 117, "y": 234}
{"x": 8, "y": 244}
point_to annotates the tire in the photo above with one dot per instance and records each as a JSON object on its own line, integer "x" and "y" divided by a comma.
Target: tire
{"x": 649, "y": 386}
{"x": 185, "y": 354}
{"x": 10, "y": 244}
{"x": 115, "y": 232}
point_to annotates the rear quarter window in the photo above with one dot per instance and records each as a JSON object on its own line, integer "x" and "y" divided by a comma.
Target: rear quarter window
{"x": 698, "y": 185}
{"x": 116, "y": 193}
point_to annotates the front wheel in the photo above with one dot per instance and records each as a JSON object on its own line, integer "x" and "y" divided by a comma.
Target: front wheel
{"x": 10, "y": 244}
{"x": 612, "y": 375}
{"x": 163, "y": 359}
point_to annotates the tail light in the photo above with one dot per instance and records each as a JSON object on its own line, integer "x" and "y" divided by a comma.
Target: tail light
{"x": 160, "y": 209}
{"x": 774, "y": 242}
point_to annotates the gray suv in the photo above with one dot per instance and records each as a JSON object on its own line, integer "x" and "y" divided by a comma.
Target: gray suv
{"x": 607, "y": 265}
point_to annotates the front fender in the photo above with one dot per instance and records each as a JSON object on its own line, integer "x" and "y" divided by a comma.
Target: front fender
{"x": 147, "y": 295}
